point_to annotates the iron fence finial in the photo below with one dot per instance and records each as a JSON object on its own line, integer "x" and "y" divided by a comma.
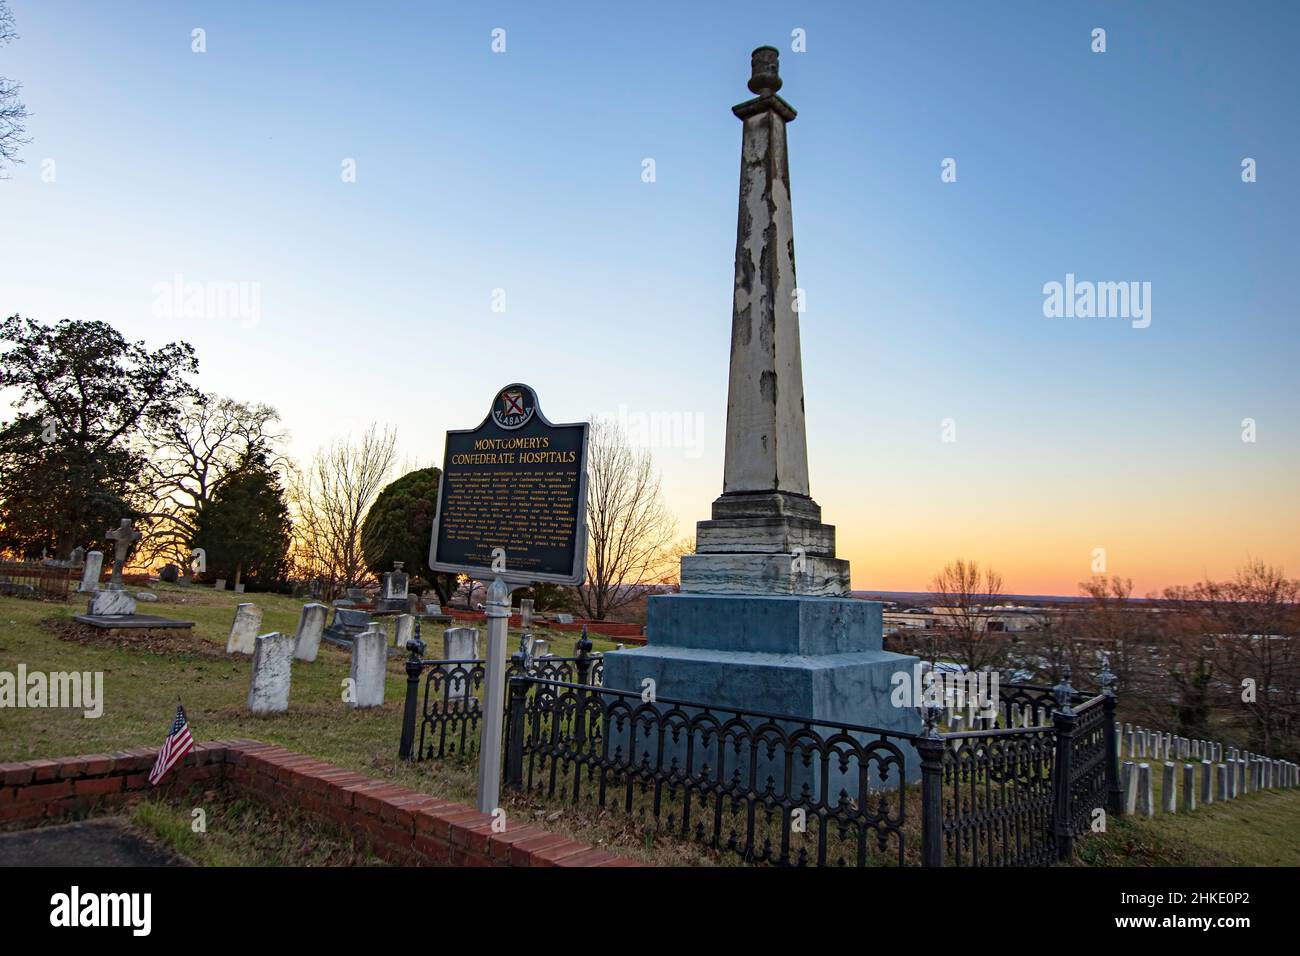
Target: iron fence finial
{"x": 932, "y": 714}
{"x": 1064, "y": 692}
{"x": 1106, "y": 678}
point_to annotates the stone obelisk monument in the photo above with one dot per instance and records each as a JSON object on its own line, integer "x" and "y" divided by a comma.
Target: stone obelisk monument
{"x": 766, "y": 536}
{"x": 765, "y": 620}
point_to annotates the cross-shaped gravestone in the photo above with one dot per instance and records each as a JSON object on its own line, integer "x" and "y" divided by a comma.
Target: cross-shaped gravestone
{"x": 122, "y": 537}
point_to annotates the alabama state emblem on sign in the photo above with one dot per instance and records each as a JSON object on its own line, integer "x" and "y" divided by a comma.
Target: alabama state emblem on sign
{"x": 514, "y": 406}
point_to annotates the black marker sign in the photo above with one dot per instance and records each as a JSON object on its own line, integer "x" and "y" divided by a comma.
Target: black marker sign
{"x": 512, "y": 502}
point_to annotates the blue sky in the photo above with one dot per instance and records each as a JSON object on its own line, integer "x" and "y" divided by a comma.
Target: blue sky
{"x": 522, "y": 170}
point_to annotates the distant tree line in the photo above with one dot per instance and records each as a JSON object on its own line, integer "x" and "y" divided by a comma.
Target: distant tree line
{"x": 105, "y": 428}
{"x": 1216, "y": 660}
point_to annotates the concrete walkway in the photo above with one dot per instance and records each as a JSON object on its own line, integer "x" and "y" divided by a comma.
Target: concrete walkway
{"x": 108, "y": 841}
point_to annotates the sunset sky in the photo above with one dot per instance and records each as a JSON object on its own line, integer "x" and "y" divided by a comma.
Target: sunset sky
{"x": 521, "y": 171}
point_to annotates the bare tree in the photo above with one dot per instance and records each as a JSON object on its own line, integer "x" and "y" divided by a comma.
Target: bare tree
{"x": 13, "y": 113}
{"x": 671, "y": 572}
{"x": 964, "y": 595}
{"x": 191, "y": 457}
{"x": 1115, "y": 625}
{"x": 330, "y": 500}
{"x": 1250, "y": 628}
{"x": 629, "y": 528}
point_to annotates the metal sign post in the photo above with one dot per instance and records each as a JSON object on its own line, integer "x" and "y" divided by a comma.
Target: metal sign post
{"x": 497, "y": 611}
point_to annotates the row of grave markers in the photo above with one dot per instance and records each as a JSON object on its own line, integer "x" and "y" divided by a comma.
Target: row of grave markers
{"x": 1224, "y": 773}
{"x": 957, "y": 719}
{"x": 273, "y": 655}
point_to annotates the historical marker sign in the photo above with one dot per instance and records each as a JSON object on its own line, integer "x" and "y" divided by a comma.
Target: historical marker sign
{"x": 512, "y": 502}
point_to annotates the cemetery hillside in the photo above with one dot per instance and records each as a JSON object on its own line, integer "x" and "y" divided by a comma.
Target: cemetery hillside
{"x": 40, "y": 635}
{"x": 432, "y": 512}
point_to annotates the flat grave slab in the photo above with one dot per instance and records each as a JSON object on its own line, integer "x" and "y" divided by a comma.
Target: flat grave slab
{"x": 132, "y": 622}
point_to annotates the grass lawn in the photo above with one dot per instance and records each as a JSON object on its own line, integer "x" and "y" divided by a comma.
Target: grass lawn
{"x": 142, "y": 684}
{"x": 250, "y": 833}
{"x": 1257, "y": 829}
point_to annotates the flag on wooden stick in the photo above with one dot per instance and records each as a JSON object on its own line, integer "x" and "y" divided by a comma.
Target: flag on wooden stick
{"x": 177, "y": 745}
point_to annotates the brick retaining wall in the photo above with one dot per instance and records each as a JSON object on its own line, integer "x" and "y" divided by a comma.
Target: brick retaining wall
{"x": 401, "y": 826}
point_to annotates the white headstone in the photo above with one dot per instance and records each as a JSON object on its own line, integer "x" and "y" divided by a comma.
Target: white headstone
{"x": 311, "y": 622}
{"x": 1169, "y": 789}
{"x": 1146, "y": 802}
{"x": 94, "y": 567}
{"x": 459, "y": 644}
{"x": 243, "y": 632}
{"x": 1129, "y": 782}
{"x": 219, "y": 584}
{"x": 525, "y": 612}
{"x": 369, "y": 668}
{"x": 403, "y": 630}
{"x": 272, "y": 665}
{"x": 1189, "y": 786}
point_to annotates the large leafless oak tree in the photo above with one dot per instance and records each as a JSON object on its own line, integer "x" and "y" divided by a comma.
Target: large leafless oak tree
{"x": 190, "y": 457}
{"x": 630, "y": 530}
{"x": 330, "y": 499}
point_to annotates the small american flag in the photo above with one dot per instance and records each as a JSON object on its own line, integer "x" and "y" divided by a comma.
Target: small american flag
{"x": 177, "y": 745}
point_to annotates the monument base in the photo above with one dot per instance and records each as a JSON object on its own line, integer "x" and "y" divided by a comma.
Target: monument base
{"x": 810, "y": 657}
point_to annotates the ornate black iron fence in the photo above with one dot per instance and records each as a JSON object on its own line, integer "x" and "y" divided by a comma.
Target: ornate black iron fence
{"x": 768, "y": 788}
{"x": 994, "y": 798}
{"x": 1020, "y": 795}
{"x": 783, "y": 789}
{"x": 443, "y": 721}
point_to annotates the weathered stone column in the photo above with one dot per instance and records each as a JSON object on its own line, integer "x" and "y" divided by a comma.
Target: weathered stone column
{"x": 766, "y": 536}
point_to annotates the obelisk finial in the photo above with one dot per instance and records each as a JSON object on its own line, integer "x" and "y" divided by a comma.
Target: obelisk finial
{"x": 765, "y": 69}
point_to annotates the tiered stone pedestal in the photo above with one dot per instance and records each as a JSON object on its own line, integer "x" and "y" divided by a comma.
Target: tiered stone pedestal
{"x": 813, "y": 657}
{"x": 765, "y": 543}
